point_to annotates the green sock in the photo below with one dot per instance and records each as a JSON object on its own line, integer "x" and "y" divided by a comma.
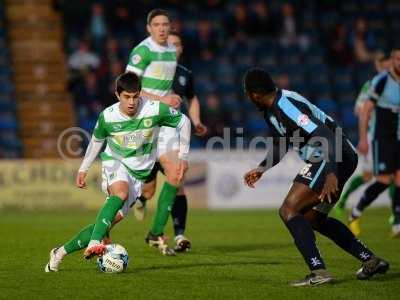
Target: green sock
{"x": 392, "y": 189}
{"x": 164, "y": 206}
{"x": 354, "y": 184}
{"x": 105, "y": 217}
{"x": 79, "y": 241}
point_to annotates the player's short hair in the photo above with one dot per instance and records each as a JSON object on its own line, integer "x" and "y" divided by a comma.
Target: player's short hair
{"x": 381, "y": 56}
{"x": 176, "y": 33}
{"x": 257, "y": 80}
{"x": 397, "y": 48}
{"x": 128, "y": 82}
{"x": 157, "y": 12}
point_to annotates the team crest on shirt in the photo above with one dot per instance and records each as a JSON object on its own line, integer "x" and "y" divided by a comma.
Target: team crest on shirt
{"x": 136, "y": 59}
{"x": 303, "y": 120}
{"x": 147, "y": 122}
{"x": 182, "y": 80}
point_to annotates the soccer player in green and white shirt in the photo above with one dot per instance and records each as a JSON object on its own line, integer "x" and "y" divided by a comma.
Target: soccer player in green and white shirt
{"x": 382, "y": 63}
{"x": 154, "y": 60}
{"x": 128, "y": 128}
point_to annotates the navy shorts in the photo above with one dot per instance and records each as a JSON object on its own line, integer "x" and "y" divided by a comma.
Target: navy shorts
{"x": 313, "y": 173}
{"x": 385, "y": 156}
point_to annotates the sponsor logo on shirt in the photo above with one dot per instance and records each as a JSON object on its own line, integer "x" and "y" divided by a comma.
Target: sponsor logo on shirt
{"x": 303, "y": 120}
{"x": 182, "y": 80}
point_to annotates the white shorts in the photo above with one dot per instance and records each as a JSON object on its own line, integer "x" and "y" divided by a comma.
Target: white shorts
{"x": 366, "y": 160}
{"x": 167, "y": 140}
{"x": 113, "y": 171}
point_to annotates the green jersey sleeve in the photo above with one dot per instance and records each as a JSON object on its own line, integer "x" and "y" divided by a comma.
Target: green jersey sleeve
{"x": 169, "y": 116}
{"x": 363, "y": 95}
{"x": 100, "y": 131}
{"x": 139, "y": 59}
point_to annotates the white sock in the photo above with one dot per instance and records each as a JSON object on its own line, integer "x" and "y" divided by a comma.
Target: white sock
{"x": 356, "y": 213}
{"x": 178, "y": 237}
{"x": 60, "y": 253}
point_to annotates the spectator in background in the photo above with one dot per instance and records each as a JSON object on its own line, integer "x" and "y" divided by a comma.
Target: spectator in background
{"x": 122, "y": 24}
{"x": 83, "y": 59}
{"x": 362, "y": 41}
{"x": 214, "y": 115}
{"x": 288, "y": 25}
{"x": 98, "y": 28}
{"x": 283, "y": 81}
{"x": 339, "y": 52}
{"x": 112, "y": 54}
{"x": 206, "y": 39}
{"x": 238, "y": 22}
{"x": 263, "y": 22}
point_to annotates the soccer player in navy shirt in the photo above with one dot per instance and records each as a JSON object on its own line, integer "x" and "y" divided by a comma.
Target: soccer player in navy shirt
{"x": 384, "y": 99}
{"x": 330, "y": 161}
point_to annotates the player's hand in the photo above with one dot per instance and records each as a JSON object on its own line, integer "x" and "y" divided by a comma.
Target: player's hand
{"x": 330, "y": 188}
{"x": 81, "y": 180}
{"x": 251, "y": 177}
{"x": 363, "y": 146}
{"x": 200, "y": 129}
{"x": 173, "y": 100}
{"x": 183, "y": 166}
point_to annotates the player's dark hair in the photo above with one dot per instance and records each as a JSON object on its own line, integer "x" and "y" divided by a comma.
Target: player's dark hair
{"x": 128, "y": 82}
{"x": 176, "y": 33}
{"x": 257, "y": 80}
{"x": 397, "y": 48}
{"x": 157, "y": 12}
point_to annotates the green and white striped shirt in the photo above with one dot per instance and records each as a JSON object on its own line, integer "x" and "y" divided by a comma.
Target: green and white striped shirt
{"x": 132, "y": 140}
{"x": 155, "y": 64}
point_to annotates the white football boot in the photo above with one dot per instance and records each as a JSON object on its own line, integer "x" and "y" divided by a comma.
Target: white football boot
{"x": 54, "y": 262}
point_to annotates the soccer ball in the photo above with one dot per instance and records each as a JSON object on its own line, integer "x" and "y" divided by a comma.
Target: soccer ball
{"x": 114, "y": 260}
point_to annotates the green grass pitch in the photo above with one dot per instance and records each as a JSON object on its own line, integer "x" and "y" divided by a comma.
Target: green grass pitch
{"x": 236, "y": 255}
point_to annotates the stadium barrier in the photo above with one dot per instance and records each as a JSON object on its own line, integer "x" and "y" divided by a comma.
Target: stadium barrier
{"x": 214, "y": 181}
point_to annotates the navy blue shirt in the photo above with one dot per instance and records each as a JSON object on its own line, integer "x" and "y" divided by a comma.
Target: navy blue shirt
{"x": 291, "y": 114}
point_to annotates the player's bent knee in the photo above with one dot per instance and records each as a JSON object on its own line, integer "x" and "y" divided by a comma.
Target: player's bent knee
{"x": 123, "y": 195}
{"x": 286, "y": 212}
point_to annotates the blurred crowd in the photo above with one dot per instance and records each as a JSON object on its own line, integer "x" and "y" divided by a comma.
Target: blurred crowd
{"x": 322, "y": 49}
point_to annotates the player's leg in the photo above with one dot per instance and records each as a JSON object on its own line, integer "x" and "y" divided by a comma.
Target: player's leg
{"x": 78, "y": 242}
{"x": 299, "y": 199}
{"x": 396, "y": 205}
{"x": 391, "y": 192}
{"x": 168, "y": 191}
{"x": 179, "y": 214}
{"x": 149, "y": 189}
{"x": 345, "y": 239}
{"x": 355, "y": 182}
{"x": 119, "y": 192}
{"x": 116, "y": 178}
{"x": 383, "y": 169}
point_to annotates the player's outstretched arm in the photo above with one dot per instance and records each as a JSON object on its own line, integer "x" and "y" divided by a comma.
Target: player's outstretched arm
{"x": 92, "y": 151}
{"x": 194, "y": 114}
{"x": 363, "y": 120}
{"x": 173, "y": 100}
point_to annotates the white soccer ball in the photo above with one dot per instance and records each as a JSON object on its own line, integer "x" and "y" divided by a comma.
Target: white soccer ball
{"x": 114, "y": 260}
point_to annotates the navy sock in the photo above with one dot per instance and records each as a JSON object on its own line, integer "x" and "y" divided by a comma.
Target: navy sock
{"x": 370, "y": 194}
{"x": 179, "y": 213}
{"x": 304, "y": 238}
{"x": 342, "y": 236}
{"x": 396, "y": 205}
